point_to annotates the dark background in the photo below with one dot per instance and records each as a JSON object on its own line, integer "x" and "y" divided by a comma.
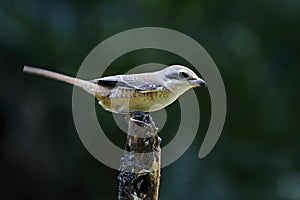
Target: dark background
{"x": 255, "y": 45}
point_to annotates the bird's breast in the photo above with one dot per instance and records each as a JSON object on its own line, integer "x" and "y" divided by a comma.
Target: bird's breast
{"x": 121, "y": 99}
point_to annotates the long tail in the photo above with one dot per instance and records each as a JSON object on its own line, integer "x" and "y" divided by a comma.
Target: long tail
{"x": 90, "y": 87}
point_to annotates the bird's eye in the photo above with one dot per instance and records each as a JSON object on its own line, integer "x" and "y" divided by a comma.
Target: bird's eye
{"x": 183, "y": 75}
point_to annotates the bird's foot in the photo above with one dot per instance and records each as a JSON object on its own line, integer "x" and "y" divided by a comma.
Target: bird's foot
{"x": 141, "y": 118}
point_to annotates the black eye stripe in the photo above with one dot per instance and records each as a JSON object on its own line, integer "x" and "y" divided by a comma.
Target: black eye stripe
{"x": 180, "y": 75}
{"x": 183, "y": 75}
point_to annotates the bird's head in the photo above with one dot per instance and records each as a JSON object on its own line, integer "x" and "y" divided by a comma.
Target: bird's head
{"x": 179, "y": 79}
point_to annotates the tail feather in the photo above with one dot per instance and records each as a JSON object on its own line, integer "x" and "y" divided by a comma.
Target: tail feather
{"x": 90, "y": 87}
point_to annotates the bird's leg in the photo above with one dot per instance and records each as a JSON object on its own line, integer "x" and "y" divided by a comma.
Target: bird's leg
{"x": 139, "y": 115}
{"x": 136, "y": 114}
{"x": 141, "y": 118}
{"x": 147, "y": 117}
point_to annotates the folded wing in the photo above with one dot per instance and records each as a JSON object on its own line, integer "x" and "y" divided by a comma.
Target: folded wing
{"x": 128, "y": 82}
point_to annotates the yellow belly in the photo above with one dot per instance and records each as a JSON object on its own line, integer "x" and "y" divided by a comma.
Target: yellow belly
{"x": 124, "y": 100}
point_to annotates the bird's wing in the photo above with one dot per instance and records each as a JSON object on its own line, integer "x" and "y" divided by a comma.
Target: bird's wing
{"x": 128, "y": 82}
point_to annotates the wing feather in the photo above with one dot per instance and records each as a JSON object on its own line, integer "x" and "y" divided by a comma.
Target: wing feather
{"x": 128, "y": 82}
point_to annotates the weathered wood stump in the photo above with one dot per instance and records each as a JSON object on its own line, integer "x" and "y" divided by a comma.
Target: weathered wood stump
{"x": 140, "y": 166}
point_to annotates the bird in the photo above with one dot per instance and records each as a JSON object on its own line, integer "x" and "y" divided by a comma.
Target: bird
{"x": 132, "y": 93}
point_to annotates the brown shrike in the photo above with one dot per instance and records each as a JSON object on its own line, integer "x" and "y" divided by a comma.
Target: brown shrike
{"x": 145, "y": 92}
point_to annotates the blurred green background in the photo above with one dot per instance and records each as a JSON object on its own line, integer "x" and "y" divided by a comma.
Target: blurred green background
{"x": 256, "y": 46}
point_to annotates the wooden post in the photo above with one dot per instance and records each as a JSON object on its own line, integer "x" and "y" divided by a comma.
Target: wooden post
{"x": 140, "y": 166}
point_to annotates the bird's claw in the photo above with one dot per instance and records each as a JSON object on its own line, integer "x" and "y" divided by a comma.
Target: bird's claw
{"x": 141, "y": 116}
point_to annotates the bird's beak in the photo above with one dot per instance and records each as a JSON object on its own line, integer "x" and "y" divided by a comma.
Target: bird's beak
{"x": 198, "y": 82}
